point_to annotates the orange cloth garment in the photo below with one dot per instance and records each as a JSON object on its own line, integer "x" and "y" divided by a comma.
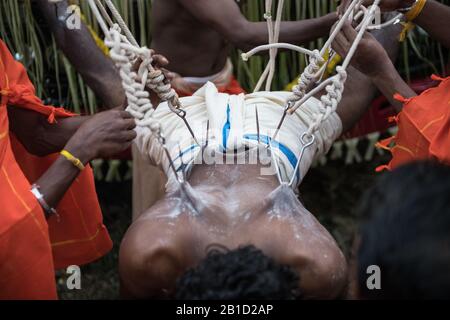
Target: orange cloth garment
{"x": 31, "y": 247}
{"x": 424, "y": 128}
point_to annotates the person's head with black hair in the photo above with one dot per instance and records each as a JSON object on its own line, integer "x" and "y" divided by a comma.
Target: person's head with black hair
{"x": 245, "y": 273}
{"x": 406, "y": 233}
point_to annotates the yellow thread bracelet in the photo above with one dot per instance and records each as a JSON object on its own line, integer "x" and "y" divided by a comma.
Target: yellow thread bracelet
{"x": 75, "y": 161}
{"x": 415, "y": 10}
{"x": 410, "y": 16}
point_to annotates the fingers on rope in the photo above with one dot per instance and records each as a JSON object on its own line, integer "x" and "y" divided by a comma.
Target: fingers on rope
{"x": 125, "y": 51}
{"x": 313, "y": 73}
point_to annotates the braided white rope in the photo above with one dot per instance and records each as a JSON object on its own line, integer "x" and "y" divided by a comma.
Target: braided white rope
{"x": 125, "y": 52}
{"x": 330, "y": 101}
{"x": 334, "y": 86}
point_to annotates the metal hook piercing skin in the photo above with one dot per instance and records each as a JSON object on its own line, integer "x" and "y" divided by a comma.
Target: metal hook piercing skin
{"x": 183, "y": 182}
{"x": 272, "y": 155}
{"x": 183, "y": 165}
{"x": 306, "y": 145}
{"x": 162, "y": 140}
{"x": 204, "y": 146}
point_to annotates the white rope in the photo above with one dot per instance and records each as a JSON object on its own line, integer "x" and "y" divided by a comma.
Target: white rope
{"x": 99, "y": 15}
{"x": 246, "y": 55}
{"x": 276, "y": 39}
{"x": 104, "y": 13}
{"x": 334, "y": 86}
{"x": 125, "y": 52}
{"x": 274, "y": 34}
{"x": 121, "y": 23}
{"x": 330, "y": 101}
{"x": 392, "y": 21}
{"x": 268, "y": 17}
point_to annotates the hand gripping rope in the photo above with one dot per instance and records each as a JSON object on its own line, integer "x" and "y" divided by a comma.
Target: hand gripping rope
{"x": 126, "y": 53}
{"x": 334, "y": 86}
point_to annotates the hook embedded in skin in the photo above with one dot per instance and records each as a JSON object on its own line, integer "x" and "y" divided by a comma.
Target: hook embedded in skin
{"x": 124, "y": 52}
{"x": 307, "y": 141}
{"x": 275, "y": 161}
{"x": 183, "y": 165}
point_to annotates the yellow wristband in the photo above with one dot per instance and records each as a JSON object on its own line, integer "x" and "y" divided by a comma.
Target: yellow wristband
{"x": 75, "y": 161}
{"x": 410, "y": 16}
{"x": 417, "y": 8}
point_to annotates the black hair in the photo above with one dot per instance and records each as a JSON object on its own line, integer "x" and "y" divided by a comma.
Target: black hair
{"x": 242, "y": 274}
{"x": 406, "y": 233}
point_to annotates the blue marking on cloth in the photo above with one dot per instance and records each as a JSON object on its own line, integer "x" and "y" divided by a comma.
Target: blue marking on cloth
{"x": 187, "y": 150}
{"x": 275, "y": 144}
{"x": 226, "y": 130}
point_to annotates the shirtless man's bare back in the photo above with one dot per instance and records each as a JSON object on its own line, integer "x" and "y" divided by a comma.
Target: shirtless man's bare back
{"x": 241, "y": 207}
{"x": 167, "y": 240}
{"x": 195, "y": 35}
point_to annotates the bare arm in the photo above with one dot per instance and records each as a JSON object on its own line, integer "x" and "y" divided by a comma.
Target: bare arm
{"x": 226, "y": 17}
{"x": 103, "y": 135}
{"x": 389, "y": 82}
{"x": 372, "y": 60}
{"x": 435, "y": 19}
{"x": 97, "y": 70}
{"x": 39, "y": 137}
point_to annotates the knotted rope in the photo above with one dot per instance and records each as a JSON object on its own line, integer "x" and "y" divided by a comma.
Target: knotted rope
{"x": 126, "y": 53}
{"x": 334, "y": 86}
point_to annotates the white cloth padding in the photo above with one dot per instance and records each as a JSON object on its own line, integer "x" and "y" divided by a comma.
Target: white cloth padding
{"x": 232, "y": 124}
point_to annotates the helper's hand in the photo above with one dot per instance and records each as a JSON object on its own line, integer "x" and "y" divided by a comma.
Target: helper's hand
{"x": 385, "y": 5}
{"x": 159, "y": 63}
{"x": 104, "y": 135}
{"x": 370, "y": 57}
